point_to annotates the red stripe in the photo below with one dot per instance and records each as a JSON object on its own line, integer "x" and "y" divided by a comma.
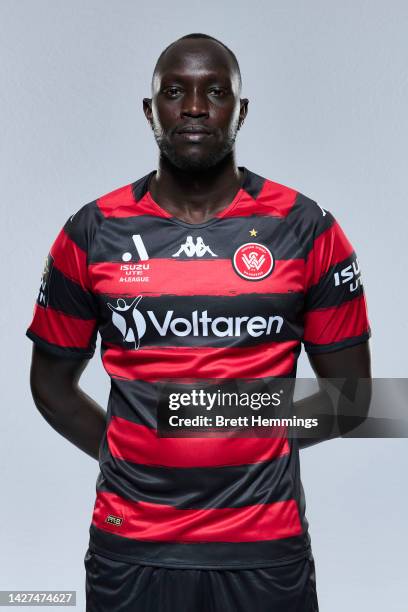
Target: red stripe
{"x": 274, "y": 200}
{"x": 140, "y": 444}
{"x": 159, "y": 522}
{"x": 70, "y": 259}
{"x": 242, "y": 201}
{"x": 150, "y": 205}
{"x": 121, "y": 203}
{"x": 196, "y": 277}
{"x": 331, "y": 247}
{"x": 118, "y": 203}
{"x": 61, "y": 329}
{"x": 154, "y": 364}
{"x": 337, "y": 323}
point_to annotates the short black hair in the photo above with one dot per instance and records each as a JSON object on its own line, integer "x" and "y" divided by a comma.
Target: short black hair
{"x": 200, "y": 35}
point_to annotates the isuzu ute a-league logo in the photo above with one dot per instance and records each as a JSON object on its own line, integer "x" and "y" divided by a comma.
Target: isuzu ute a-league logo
{"x": 253, "y": 261}
{"x": 131, "y": 272}
{"x": 133, "y": 325}
{"x": 199, "y": 249}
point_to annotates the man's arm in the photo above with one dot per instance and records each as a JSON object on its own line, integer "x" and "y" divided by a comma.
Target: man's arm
{"x": 349, "y": 372}
{"x": 63, "y": 404}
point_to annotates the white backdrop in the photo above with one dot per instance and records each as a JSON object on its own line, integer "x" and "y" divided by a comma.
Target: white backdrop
{"x": 327, "y": 84}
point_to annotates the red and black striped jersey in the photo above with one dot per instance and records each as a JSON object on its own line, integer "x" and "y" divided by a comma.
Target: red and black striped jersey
{"x": 232, "y": 298}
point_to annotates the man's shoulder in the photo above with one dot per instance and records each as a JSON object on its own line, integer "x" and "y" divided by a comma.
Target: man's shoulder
{"x": 83, "y": 224}
{"x": 305, "y": 216}
{"x": 112, "y": 202}
{"x": 121, "y": 200}
{"x": 287, "y": 200}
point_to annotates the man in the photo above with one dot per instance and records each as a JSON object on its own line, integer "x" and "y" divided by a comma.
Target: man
{"x": 201, "y": 271}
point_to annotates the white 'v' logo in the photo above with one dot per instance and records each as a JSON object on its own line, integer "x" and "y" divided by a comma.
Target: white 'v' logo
{"x": 252, "y": 261}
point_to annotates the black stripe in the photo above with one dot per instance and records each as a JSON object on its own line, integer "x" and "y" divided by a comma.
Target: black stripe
{"x": 137, "y": 401}
{"x": 337, "y": 346}
{"x": 307, "y": 221}
{"x": 340, "y": 284}
{"x": 253, "y": 183}
{"x": 199, "y": 487}
{"x": 217, "y": 555}
{"x": 69, "y": 297}
{"x": 82, "y": 226}
{"x": 163, "y": 238}
{"x": 139, "y": 187}
{"x": 286, "y": 308}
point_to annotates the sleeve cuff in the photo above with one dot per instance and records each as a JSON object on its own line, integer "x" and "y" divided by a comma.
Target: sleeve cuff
{"x": 336, "y": 346}
{"x": 60, "y": 351}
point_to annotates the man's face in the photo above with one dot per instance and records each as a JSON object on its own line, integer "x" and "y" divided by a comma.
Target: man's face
{"x": 195, "y": 109}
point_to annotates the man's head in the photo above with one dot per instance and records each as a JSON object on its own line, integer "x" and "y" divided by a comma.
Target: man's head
{"x": 195, "y": 110}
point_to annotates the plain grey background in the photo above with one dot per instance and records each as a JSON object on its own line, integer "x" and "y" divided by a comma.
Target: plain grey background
{"x": 327, "y": 84}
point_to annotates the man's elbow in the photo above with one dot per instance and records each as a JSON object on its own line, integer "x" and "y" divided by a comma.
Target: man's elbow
{"x": 47, "y": 389}
{"x": 354, "y": 404}
{"x": 41, "y": 393}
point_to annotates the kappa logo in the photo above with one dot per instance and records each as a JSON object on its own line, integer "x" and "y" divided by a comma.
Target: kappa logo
{"x": 199, "y": 249}
{"x": 132, "y": 324}
{"x": 253, "y": 261}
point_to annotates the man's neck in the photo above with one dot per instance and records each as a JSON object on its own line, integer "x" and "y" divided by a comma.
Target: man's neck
{"x": 195, "y": 196}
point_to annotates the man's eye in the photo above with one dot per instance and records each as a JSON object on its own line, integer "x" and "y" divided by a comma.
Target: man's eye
{"x": 172, "y": 91}
{"x": 217, "y": 91}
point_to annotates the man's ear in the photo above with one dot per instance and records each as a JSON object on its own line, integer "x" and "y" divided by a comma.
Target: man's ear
{"x": 147, "y": 109}
{"x": 243, "y": 111}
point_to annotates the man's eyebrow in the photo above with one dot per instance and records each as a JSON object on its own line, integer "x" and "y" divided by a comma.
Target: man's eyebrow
{"x": 178, "y": 76}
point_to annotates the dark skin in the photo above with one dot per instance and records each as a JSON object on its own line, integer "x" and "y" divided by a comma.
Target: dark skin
{"x": 196, "y": 84}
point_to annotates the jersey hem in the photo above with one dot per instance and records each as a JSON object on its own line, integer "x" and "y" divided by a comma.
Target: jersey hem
{"x": 210, "y": 566}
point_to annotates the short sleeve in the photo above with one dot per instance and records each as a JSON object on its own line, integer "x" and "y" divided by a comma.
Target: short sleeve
{"x": 335, "y": 313}
{"x": 65, "y": 317}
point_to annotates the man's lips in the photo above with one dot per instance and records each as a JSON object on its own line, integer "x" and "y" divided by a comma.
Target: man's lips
{"x": 193, "y": 133}
{"x": 193, "y": 129}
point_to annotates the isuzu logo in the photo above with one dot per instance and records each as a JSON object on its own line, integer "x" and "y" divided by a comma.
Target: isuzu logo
{"x": 350, "y": 275}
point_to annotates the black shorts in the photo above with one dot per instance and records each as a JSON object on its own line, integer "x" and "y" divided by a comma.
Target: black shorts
{"x": 116, "y": 586}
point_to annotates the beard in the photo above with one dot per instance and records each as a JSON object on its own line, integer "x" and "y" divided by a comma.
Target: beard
{"x": 202, "y": 161}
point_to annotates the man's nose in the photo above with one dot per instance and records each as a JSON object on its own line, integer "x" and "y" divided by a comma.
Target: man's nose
{"x": 195, "y": 104}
